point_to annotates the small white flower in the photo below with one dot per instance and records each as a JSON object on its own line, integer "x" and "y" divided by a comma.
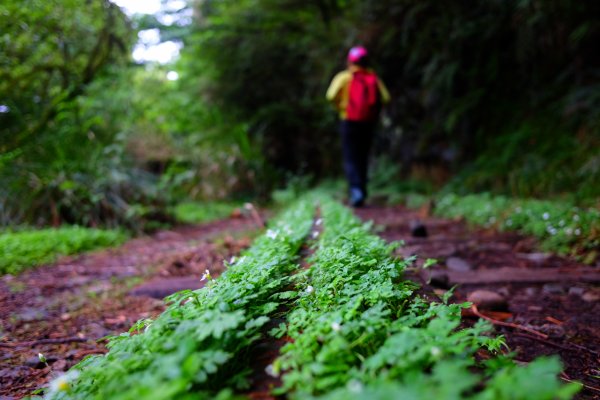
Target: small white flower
{"x": 569, "y": 231}
{"x": 509, "y": 222}
{"x": 553, "y": 231}
{"x": 546, "y": 215}
{"x": 270, "y": 370}
{"x": 435, "y": 351}
{"x": 576, "y": 217}
{"x": 577, "y": 231}
{"x": 42, "y": 358}
{"x": 561, "y": 223}
{"x": 518, "y": 209}
{"x": 232, "y": 260}
{"x": 335, "y": 326}
{"x": 271, "y": 234}
{"x": 318, "y": 222}
{"x": 310, "y": 289}
{"x": 315, "y": 234}
{"x": 206, "y": 276}
{"x": 62, "y": 383}
{"x": 355, "y": 386}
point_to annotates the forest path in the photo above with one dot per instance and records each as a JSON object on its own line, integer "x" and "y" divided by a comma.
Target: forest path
{"x": 62, "y": 309}
{"x": 512, "y": 281}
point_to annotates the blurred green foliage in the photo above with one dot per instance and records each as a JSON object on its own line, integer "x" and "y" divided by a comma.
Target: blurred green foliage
{"x": 193, "y": 212}
{"x": 496, "y": 86}
{"x": 25, "y": 249}
{"x": 504, "y": 93}
{"x": 560, "y": 225}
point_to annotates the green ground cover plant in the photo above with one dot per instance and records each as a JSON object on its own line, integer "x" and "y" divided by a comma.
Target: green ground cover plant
{"x": 561, "y": 226}
{"x": 29, "y": 248}
{"x": 359, "y": 331}
{"x": 199, "y": 347}
{"x": 196, "y": 212}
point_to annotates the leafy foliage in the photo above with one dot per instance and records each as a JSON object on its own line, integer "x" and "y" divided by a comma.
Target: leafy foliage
{"x": 24, "y": 249}
{"x": 199, "y": 346}
{"x": 357, "y": 328}
{"x": 191, "y": 212}
{"x": 561, "y": 226}
{"x": 51, "y": 51}
{"x": 466, "y": 81}
{"x": 358, "y": 325}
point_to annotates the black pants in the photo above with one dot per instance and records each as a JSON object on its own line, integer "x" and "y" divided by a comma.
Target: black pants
{"x": 356, "y": 143}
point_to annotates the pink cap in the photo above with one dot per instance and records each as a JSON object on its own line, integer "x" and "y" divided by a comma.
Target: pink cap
{"x": 356, "y": 53}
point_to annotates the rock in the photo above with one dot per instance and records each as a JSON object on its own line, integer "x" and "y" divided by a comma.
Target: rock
{"x": 576, "y": 291}
{"x": 590, "y": 297}
{"x": 417, "y": 229}
{"x": 531, "y": 291}
{"x": 536, "y": 258}
{"x": 553, "y": 288}
{"x": 487, "y": 300}
{"x": 163, "y": 287}
{"x": 458, "y": 264}
{"x": 504, "y": 292}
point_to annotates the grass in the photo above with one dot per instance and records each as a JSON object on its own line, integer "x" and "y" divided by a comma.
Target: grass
{"x": 196, "y": 212}
{"x": 30, "y": 248}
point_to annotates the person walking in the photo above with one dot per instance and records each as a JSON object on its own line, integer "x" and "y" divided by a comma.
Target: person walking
{"x": 358, "y": 94}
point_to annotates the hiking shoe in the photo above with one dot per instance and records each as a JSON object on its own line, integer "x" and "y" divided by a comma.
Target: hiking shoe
{"x": 357, "y": 198}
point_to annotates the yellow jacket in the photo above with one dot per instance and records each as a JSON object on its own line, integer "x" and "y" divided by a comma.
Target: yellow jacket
{"x": 338, "y": 91}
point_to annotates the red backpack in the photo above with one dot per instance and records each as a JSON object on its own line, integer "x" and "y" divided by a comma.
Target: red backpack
{"x": 363, "y": 99}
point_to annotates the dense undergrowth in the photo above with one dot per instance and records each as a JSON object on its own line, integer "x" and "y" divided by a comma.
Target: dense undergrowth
{"x": 24, "y": 249}
{"x": 561, "y": 226}
{"x": 199, "y": 347}
{"x": 357, "y": 329}
{"x": 29, "y": 247}
{"x": 195, "y": 212}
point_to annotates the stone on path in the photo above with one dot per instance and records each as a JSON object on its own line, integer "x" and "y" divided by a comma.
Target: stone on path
{"x": 591, "y": 296}
{"x": 553, "y": 288}
{"x": 458, "y": 264}
{"x": 417, "y": 229}
{"x": 160, "y": 288}
{"x": 535, "y": 258}
{"x": 487, "y": 300}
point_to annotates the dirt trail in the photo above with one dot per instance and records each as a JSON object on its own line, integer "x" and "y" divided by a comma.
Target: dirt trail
{"x": 61, "y": 310}
{"x": 552, "y": 295}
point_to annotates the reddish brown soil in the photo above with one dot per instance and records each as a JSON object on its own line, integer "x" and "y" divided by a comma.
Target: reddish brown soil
{"x": 566, "y": 310}
{"x": 61, "y": 310}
